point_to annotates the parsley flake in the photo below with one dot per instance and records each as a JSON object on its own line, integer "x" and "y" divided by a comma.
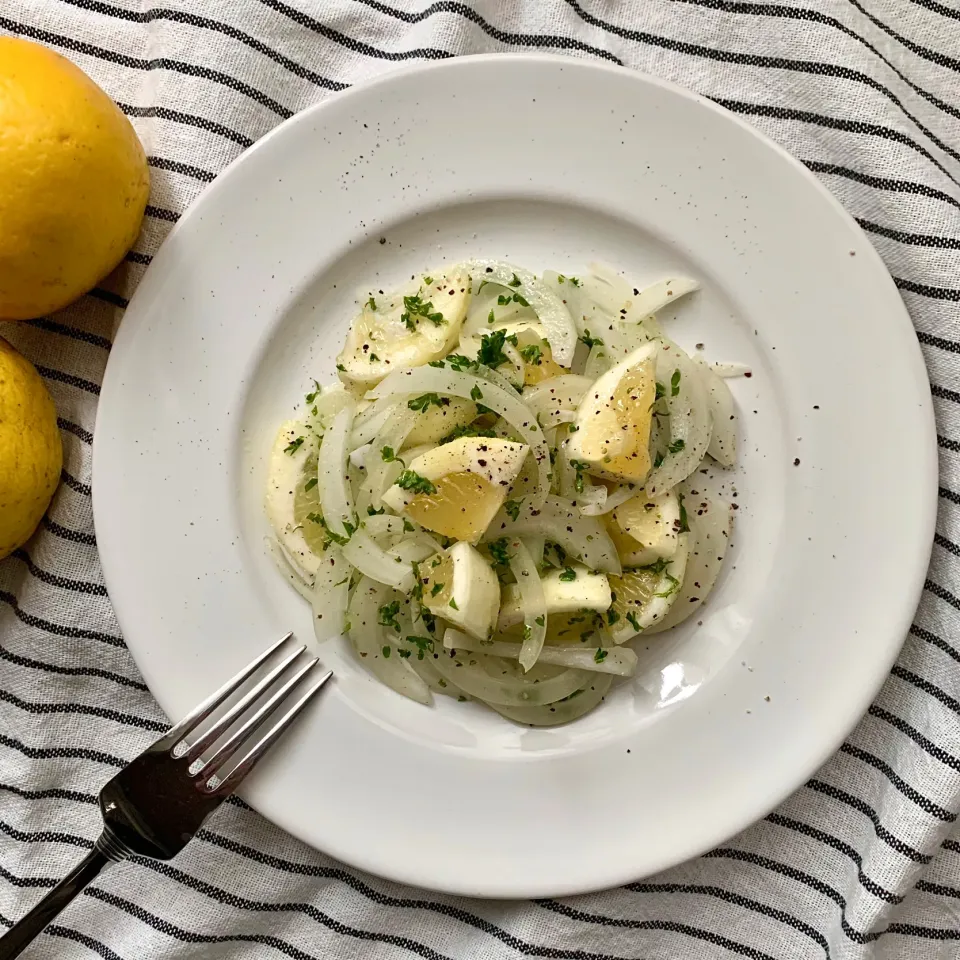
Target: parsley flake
{"x": 412, "y": 481}
{"x": 293, "y": 446}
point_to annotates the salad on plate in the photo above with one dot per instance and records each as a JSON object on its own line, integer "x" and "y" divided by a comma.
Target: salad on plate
{"x": 501, "y": 491}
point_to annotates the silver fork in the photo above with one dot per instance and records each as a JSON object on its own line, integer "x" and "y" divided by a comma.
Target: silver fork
{"x": 155, "y": 804}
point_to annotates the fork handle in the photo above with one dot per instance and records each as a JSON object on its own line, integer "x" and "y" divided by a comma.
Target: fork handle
{"x": 19, "y": 936}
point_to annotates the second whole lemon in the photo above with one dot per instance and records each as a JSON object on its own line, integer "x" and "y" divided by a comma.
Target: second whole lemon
{"x": 73, "y": 181}
{"x": 30, "y": 450}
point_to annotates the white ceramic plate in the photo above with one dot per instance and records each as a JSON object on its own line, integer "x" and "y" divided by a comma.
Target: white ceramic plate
{"x": 550, "y": 163}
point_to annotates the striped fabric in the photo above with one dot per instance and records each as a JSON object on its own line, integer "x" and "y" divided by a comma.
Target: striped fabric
{"x": 864, "y": 861}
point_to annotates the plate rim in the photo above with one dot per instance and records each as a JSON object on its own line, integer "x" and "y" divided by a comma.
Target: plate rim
{"x": 109, "y": 550}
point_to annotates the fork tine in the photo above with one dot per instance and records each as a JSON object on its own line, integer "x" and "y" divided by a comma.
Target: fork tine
{"x": 204, "y": 709}
{"x": 244, "y": 703}
{"x": 229, "y": 747}
{"x": 249, "y": 761}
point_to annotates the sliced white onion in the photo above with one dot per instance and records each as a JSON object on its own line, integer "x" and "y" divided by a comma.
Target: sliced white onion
{"x": 532, "y": 602}
{"x": 330, "y": 594}
{"x": 468, "y": 673}
{"x": 367, "y": 425}
{"x": 560, "y": 522}
{"x": 336, "y": 498}
{"x": 690, "y": 422}
{"x": 376, "y": 563}
{"x": 621, "y": 494}
{"x": 723, "y": 441}
{"x": 535, "y": 545}
{"x": 728, "y": 370}
{"x": 619, "y": 661}
{"x": 580, "y": 702}
{"x": 506, "y": 403}
{"x": 381, "y": 474}
{"x": 558, "y": 326}
{"x": 710, "y": 523}
{"x": 369, "y": 639}
{"x": 658, "y": 295}
{"x": 358, "y": 457}
{"x": 553, "y": 401}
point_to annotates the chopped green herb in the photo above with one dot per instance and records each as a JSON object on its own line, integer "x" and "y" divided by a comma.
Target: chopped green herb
{"x": 634, "y": 622}
{"x": 373, "y": 358}
{"x": 436, "y": 363}
{"x": 388, "y": 456}
{"x": 676, "y": 446}
{"x": 661, "y": 391}
{"x": 579, "y": 466}
{"x": 591, "y": 341}
{"x": 568, "y": 575}
{"x": 532, "y": 354}
{"x": 491, "y": 348}
{"x": 527, "y": 632}
{"x": 405, "y": 654}
{"x": 372, "y": 304}
{"x": 341, "y": 368}
{"x": 491, "y": 317}
{"x": 460, "y": 363}
{"x": 571, "y": 280}
{"x": 521, "y": 300}
{"x": 435, "y": 589}
{"x": 408, "y": 527}
{"x": 658, "y": 459}
{"x": 684, "y": 524}
{"x": 423, "y": 644}
{"x": 385, "y": 650}
{"x": 387, "y": 615}
{"x": 453, "y": 603}
{"x": 515, "y": 282}
{"x": 416, "y": 309}
{"x": 428, "y": 280}
{"x": 513, "y": 508}
{"x": 600, "y": 655}
{"x": 675, "y": 383}
{"x": 410, "y": 480}
{"x": 426, "y": 400}
{"x": 612, "y": 616}
{"x": 293, "y": 446}
{"x": 310, "y": 397}
{"x": 540, "y": 621}
{"x": 476, "y": 393}
{"x": 371, "y": 512}
{"x": 498, "y": 550}
{"x": 310, "y": 484}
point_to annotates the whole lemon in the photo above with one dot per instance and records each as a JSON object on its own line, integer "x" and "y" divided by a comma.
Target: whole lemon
{"x": 73, "y": 181}
{"x": 30, "y": 451}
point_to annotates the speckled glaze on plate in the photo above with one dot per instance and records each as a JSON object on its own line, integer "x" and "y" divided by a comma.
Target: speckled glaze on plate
{"x": 548, "y": 162}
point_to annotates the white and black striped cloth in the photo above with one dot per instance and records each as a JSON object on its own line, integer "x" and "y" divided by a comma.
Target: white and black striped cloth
{"x": 864, "y": 861}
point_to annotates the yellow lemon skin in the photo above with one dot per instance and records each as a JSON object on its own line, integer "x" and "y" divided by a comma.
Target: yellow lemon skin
{"x": 30, "y": 451}
{"x": 73, "y": 181}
